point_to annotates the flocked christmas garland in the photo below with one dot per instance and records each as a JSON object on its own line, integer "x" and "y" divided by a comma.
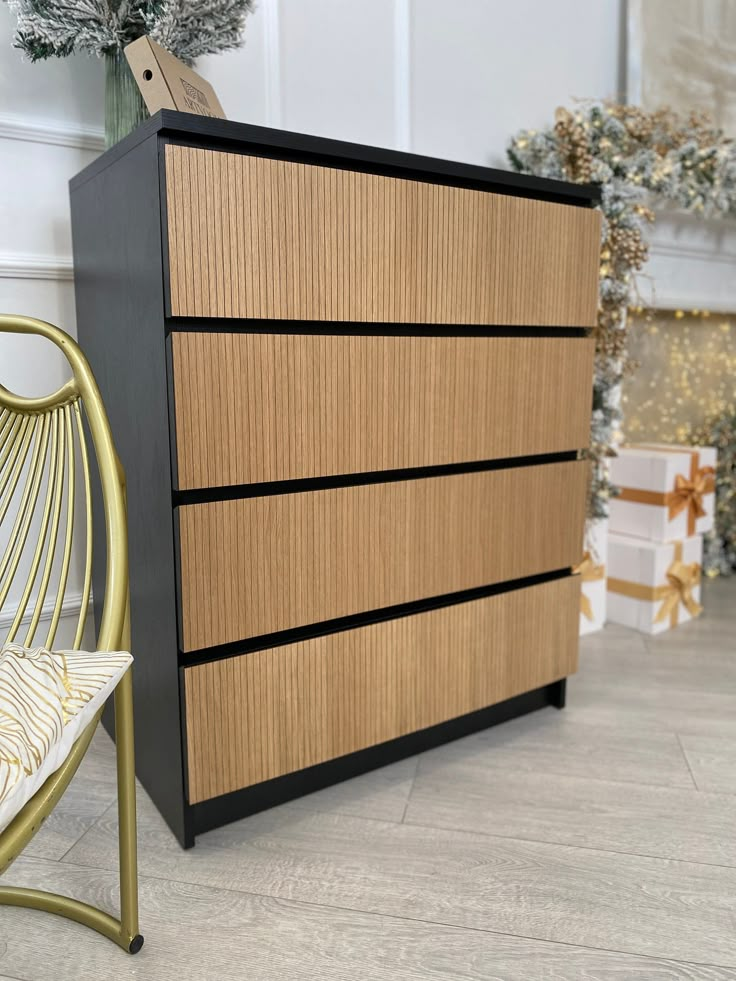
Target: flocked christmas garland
{"x": 636, "y": 157}
{"x": 720, "y": 548}
{"x": 187, "y": 28}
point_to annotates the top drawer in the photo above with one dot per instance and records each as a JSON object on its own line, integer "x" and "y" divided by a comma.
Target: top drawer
{"x": 270, "y": 239}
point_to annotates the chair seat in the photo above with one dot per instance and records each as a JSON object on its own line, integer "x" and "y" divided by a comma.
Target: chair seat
{"x": 47, "y": 699}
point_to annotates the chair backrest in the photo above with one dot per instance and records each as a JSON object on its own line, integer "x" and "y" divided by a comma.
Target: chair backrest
{"x": 44, "y": 462}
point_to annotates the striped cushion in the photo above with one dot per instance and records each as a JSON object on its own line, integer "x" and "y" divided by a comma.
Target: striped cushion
{"x": 47, "y": 699}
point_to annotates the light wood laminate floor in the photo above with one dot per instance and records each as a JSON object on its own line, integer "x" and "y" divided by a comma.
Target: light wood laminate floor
{"x": 594, "y": 844}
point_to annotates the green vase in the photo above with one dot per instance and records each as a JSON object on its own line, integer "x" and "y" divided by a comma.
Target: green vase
{"x": 124, "y": 105}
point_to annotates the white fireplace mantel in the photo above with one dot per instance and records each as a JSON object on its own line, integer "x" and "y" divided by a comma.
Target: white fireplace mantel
{"x": 692, "y": 263}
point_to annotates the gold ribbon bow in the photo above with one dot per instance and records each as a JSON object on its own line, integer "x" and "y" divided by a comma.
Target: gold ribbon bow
{"x": 681, "y": 578}
{"x": 689, "y": 494}
{"x": 686, "y": 494}
{"x": 588, "y": 572}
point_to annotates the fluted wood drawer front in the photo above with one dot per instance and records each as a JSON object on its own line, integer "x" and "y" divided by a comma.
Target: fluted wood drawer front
{"x": 266, "y": 407}
{"x": 258, "y": 716}
{"x": 263, "y": 564}
{"x": 254, "y": 237}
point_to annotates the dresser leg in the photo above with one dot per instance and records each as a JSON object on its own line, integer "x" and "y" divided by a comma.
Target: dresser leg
{"x": 557, "y": 692}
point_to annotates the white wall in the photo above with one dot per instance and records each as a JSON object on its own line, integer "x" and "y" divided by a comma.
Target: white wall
{"x": 448, "y": 79}
{"x": 482, "y": 69}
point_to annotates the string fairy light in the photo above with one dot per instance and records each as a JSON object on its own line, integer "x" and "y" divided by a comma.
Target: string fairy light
{"x": 686, "y": 365}
{"x": 683, "y": 391}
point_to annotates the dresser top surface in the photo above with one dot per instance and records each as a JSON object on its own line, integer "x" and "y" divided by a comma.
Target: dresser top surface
{"x": 229, "y": 136}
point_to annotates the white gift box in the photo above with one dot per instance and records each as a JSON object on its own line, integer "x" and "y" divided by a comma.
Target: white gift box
{"x": 653, "y": 586}
{"x": 663, "y": 490}
{"x": 593, "y": 573}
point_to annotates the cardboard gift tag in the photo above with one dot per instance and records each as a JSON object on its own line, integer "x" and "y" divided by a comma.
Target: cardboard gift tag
{"x": 167, "y": 83}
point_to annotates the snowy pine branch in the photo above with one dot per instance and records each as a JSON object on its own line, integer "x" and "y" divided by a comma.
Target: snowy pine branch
{"x": 190, "y": 29}
{"x": 186, "y": 28}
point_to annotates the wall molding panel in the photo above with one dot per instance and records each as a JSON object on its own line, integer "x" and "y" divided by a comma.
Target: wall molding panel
{"x": 52, "y": 132}
{"x": 402, "y": 74}
{"x": 29, "y": 266}
{"x": 669, "y": 250}
{"x": 272, "y": 77}
{"x": 692, "y": 263}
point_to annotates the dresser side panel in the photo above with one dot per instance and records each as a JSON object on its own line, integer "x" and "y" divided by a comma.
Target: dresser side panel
{"x": 119, "y": 288}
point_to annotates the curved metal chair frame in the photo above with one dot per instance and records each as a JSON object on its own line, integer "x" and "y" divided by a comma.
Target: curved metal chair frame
{"x": 42, "y": 443}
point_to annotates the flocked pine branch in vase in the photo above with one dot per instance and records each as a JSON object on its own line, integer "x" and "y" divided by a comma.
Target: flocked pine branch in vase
{"x": 186, "y": 28}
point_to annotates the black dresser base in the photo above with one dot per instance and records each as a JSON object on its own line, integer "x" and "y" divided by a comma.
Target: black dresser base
{"x": 213, "y": 813}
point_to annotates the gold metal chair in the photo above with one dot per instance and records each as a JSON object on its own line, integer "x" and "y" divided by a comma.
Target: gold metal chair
{"x": 42, "y": 450}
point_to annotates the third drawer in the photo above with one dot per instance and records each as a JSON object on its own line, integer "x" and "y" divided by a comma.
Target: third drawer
{"x": 260, "y": 565}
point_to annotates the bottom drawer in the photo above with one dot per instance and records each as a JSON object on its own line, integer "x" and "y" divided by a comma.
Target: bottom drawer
{"x": 258, "y": 716}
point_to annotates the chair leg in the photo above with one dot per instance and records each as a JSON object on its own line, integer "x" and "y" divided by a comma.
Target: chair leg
{"x": 124, "y": 931}
{"x": 128, "y": 845}
{"x": 72, "y": 909}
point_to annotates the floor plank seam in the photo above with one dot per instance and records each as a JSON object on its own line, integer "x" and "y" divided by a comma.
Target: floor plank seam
{"x": 84, "y": 834}
{"x": 687, "y": 761}
{"x": 564, "y": 844}
{"x": 411, "y": 790}
{"x": 416, "y": 919}
{"x": 559, "y": 773}
{"x": 297, "y": 805}
{"x": 79, "y": 839}
{"x": 546, "y": 771}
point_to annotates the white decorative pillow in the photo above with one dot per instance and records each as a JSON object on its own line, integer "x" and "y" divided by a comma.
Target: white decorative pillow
{"x": 47, "y": 699}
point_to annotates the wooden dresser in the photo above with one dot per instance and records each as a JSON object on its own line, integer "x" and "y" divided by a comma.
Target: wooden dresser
{"x": 349, "y": 388}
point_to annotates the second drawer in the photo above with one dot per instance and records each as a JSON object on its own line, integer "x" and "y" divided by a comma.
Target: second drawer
{"x": 260, "y": 565}
{"x": 253, "y": 408}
